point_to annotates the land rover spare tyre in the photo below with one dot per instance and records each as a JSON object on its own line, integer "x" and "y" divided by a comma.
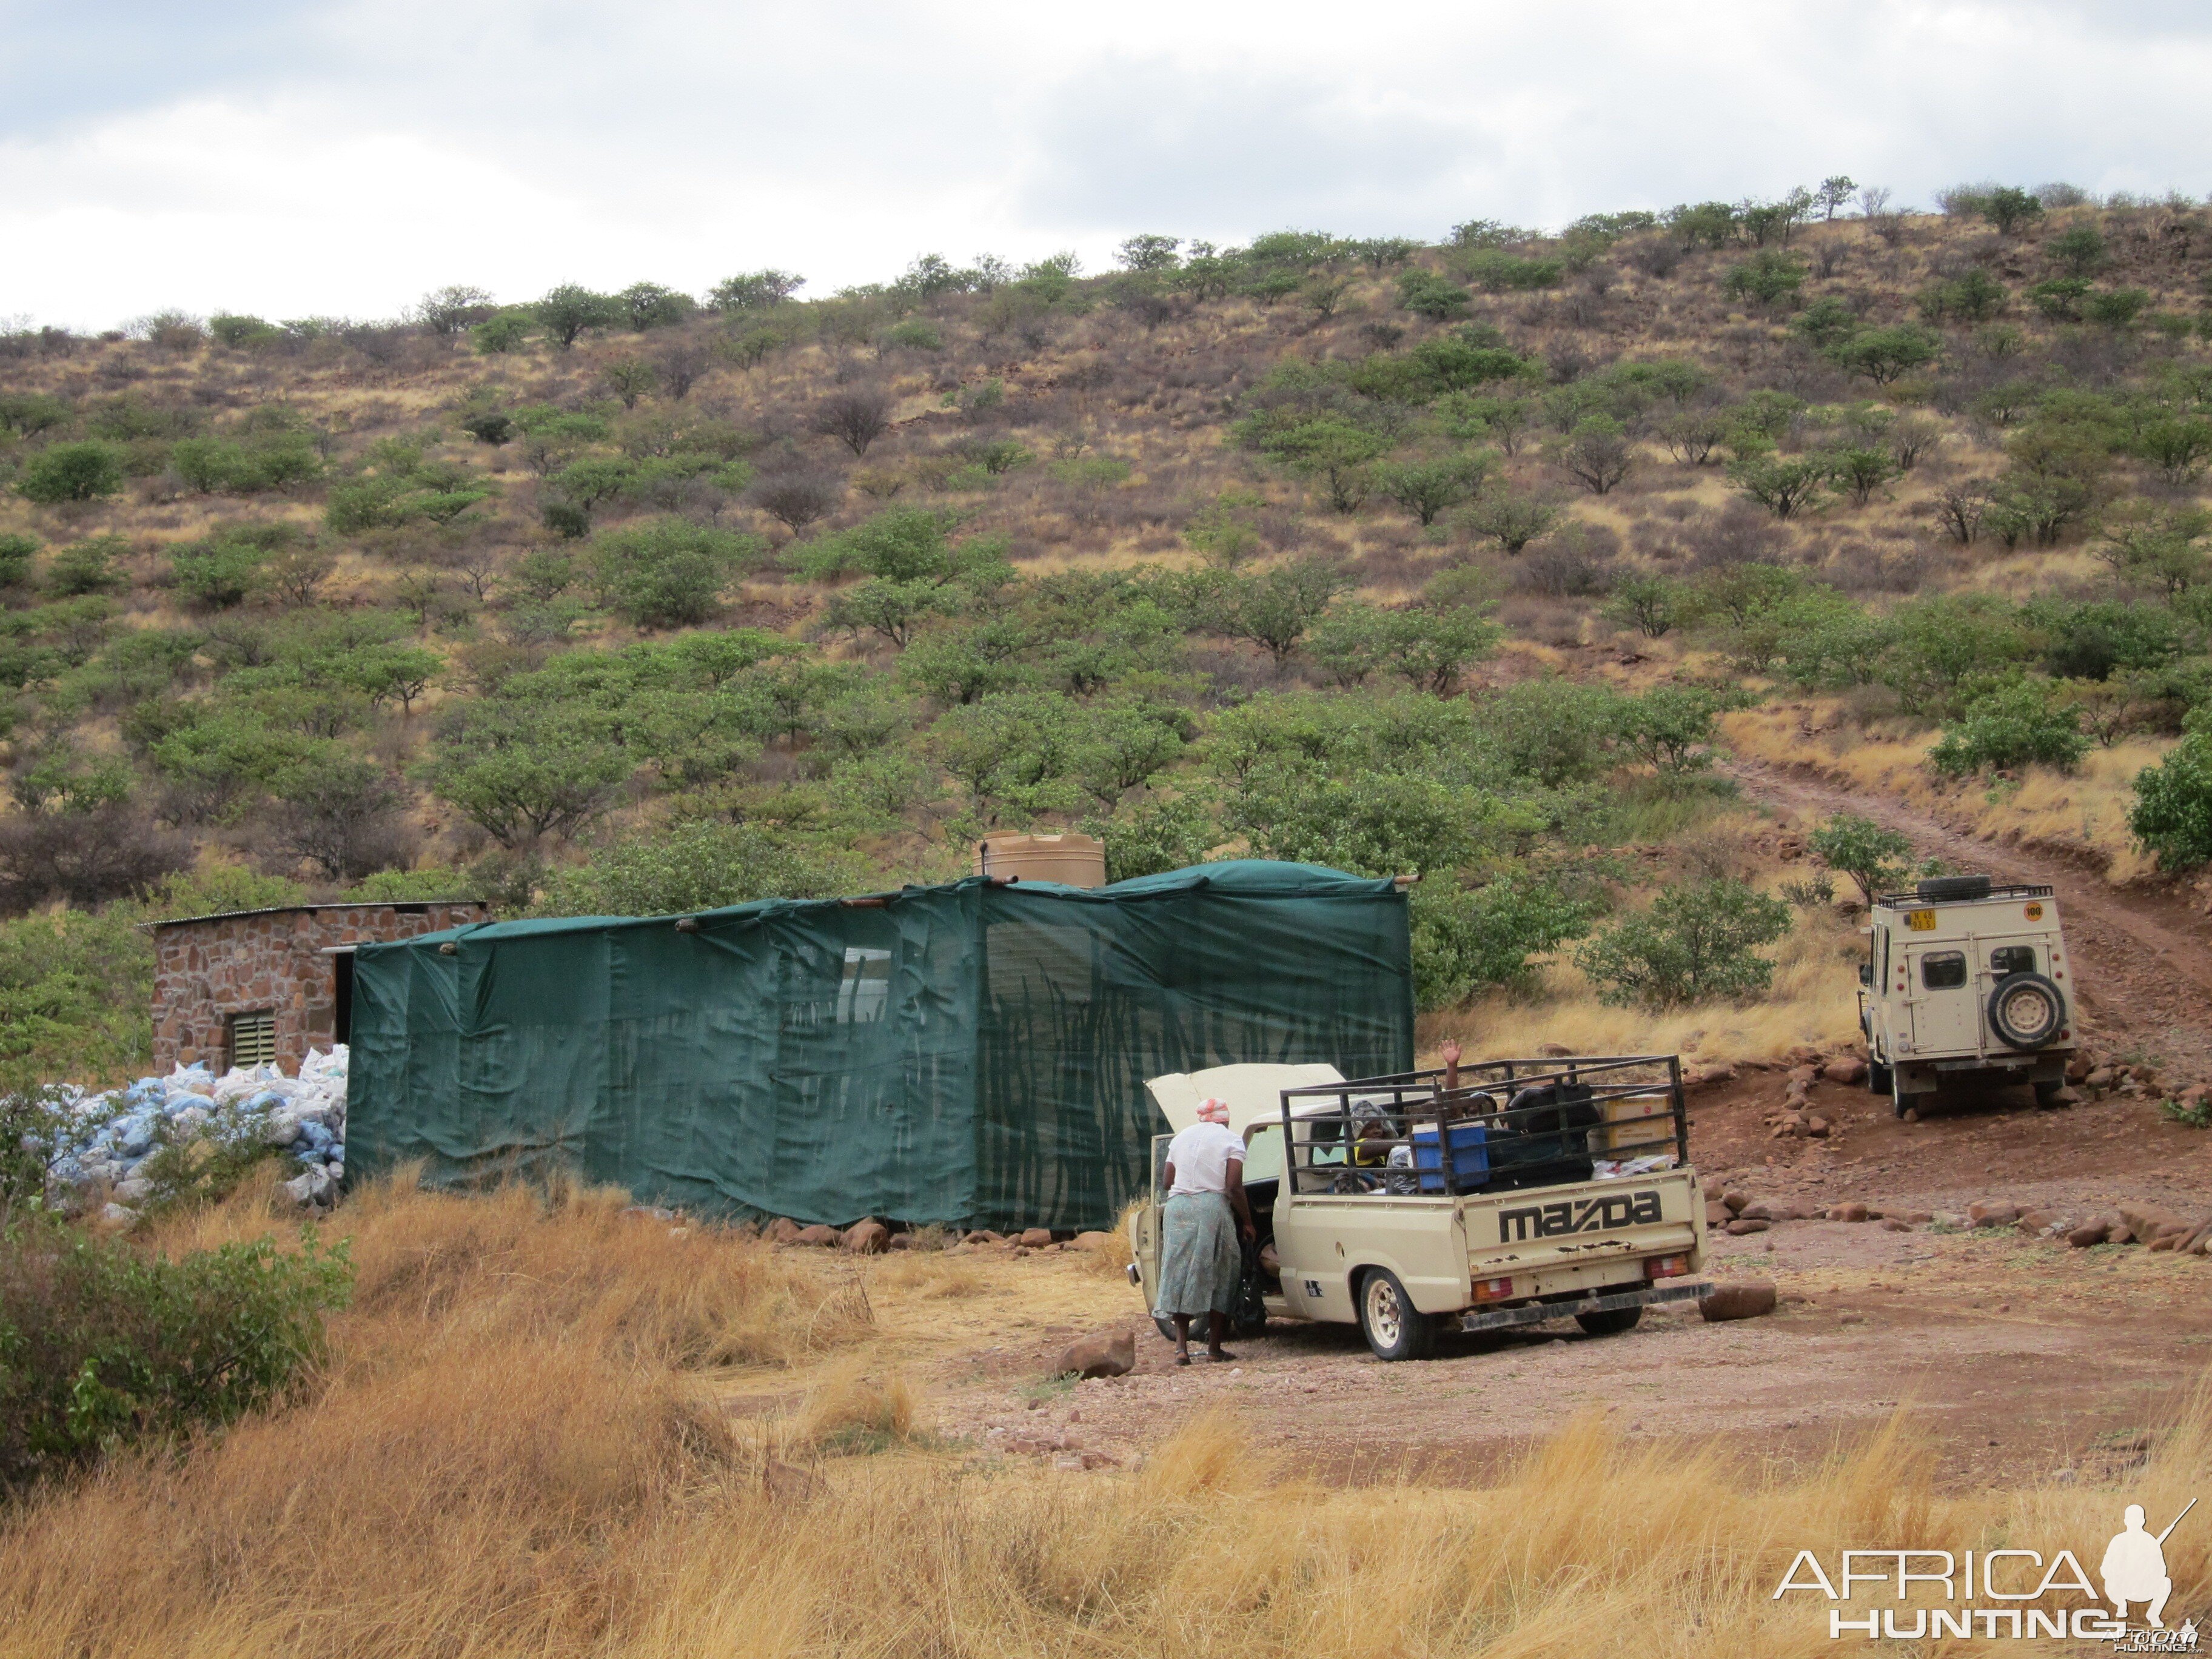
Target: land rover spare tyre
{"x": 2026, "y": 1011}
{"x": 1937, "y": 888}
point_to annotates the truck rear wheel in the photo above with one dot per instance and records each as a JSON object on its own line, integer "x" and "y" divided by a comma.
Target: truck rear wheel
{"x": 1610, "y": 1322}
{"x": 1394, "y": 1326}
{"x": 1877, "y": 1077}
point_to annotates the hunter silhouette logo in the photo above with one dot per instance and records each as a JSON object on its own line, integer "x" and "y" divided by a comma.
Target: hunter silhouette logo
{"x": 2012, "y": 1585}
{"x": 2133, "y": 1567}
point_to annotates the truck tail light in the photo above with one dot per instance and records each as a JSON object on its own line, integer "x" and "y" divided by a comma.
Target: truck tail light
{"x": 1666, "y": 1266}
{"x": 1492, "y": 1289}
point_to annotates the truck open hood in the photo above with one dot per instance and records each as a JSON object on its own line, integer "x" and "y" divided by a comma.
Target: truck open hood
{"x": 1254, "y": 1092}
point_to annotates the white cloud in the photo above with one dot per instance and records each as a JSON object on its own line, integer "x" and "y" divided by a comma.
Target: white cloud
{"x": 344, "y": 157}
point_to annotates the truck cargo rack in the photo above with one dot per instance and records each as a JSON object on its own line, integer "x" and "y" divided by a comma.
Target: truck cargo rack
{"x": 1507, "y": 1124}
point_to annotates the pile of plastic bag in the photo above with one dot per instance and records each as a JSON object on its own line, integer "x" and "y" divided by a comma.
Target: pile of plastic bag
{"x": 103, "y": 1140}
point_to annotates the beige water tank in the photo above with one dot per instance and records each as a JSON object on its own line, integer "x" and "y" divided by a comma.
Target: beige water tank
{"x": 1071, "y": 857}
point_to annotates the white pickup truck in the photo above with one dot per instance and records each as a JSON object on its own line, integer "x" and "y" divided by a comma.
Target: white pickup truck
{"x": 1533, "y": 1190}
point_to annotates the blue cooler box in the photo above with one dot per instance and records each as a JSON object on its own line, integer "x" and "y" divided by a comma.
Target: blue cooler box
{"x": 1470, "y": 1155}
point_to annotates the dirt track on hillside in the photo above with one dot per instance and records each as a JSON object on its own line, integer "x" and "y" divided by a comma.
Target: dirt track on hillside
{"x": 2148, "y": 992}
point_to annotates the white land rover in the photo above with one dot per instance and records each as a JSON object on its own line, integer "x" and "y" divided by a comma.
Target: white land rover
{"x": 1965, "y": 978}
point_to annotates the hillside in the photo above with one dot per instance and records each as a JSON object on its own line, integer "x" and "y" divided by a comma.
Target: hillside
{"x": 1468, "y": 561}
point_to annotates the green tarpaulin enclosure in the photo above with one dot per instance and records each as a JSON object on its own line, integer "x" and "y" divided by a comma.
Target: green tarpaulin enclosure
{"x": 972, "y": 1054}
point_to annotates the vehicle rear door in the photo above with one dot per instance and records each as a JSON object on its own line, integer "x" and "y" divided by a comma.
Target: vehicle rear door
{"x": 1943, "y": 994}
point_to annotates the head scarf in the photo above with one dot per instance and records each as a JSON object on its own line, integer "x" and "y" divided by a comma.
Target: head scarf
{"x": 1211, "y": 1110}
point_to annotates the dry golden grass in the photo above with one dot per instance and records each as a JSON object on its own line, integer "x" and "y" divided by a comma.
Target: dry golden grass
{"x": 2085, "y": 810}
{"x": 505, "y": 1459}
{"x": 575, "y": 1509}
{"x": 1815, "y": 1000}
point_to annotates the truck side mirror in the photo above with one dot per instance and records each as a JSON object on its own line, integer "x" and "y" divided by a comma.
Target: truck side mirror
{"x": 1865, "y": 974}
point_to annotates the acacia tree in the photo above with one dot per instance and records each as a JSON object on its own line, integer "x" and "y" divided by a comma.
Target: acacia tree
{"x": 1875, "y": 858}
{"x": 798, "y": 499}
{"x": 568, "y": 310}
{"x": 2009, "y": 208}
{"x": 1425, "y": 487}
{"x": 856, "y": 418}
{"x": 1511, "y": 520}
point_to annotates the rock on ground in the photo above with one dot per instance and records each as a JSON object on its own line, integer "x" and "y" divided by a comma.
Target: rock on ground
{"x": 1746, "y": 1299}
{"x": 869, "y": 1237}
{"x": 1102, "y": 1353}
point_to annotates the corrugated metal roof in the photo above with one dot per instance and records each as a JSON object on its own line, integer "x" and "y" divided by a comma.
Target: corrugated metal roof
{"x": 398, "y": 907}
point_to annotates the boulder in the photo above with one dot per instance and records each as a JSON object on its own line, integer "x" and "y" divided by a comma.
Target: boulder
{"x": 1817, "y": 1127}
{"x": 1803, "y": 1077}
{"x": 1717, "y": 1213}
{"x": 2100, "y": 1077}
{"x": 1992, "y": 1215}
{"x": 2088, "y": 1233}
{"x": 2035, "y": 1222}
{"x": 1094, "y": 1241}
{"x": 1890, "y": 1223}
{"x": 869, "y": 1237}
{"x": 133, "y": 1191}
{"x": 2119, "y": 1234}
{"x": 782, "y": 1231}
{"x": 817, "y": 1235}
{"x": 1740, "y": 1226}
{"x": 1915, "y": 1217}
{"x": 1848, "y": 1213}
{"x": 1846, "y": 1070}
{"x": 1034, "y": 1238}
{"x": 1770, "y": 1209}
{"x": 2079, "y": 1068}
{"x": 983, "y": 1236}
{"x": 1803, "y": 1054}
{"x": 1747, "y": 1299}
{"x": 2149, "y": 1222}
{"x": 1102, "y": 1353}
{"x": 118, "y": 1215}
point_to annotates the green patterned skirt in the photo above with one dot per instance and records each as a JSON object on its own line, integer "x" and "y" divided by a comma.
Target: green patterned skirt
{"x": 1200, "y": 1261}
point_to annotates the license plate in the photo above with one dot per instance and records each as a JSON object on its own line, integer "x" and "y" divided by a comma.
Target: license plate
{"x": 1920, "y": 921}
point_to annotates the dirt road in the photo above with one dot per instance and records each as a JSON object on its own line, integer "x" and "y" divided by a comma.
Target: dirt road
{"x": 2149, "y": 993}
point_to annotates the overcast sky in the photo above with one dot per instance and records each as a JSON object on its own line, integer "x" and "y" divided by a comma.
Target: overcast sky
{"x": 291, "y": 157}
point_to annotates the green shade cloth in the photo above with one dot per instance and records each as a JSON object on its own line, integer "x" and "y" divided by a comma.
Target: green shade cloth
{"x": 967, "y": 1054}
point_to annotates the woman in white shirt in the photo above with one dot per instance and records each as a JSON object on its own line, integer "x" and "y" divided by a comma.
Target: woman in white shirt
{"x": 1204, "y": 1215}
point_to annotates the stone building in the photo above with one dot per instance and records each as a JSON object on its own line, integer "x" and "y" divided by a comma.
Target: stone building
{"x": 257, "y": 985}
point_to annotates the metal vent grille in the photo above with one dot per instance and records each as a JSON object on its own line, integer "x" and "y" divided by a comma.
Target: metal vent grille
{"x": 254, "y": 1038}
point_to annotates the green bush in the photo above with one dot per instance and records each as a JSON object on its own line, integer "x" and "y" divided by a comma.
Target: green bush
{"x": 87, "y": 567}
{"x": 1876, "y": 858}
{"x": 1694, "y": 945}
{"x": 100, "y": 1346}
{"x": 697, "y": 864}
{"x": 666, "y": 573}
{"x": 1469, "y": 941}
{"x": 1431, "y": 295}
{"x": 2017, "y": 725}
{"x": 71, "y": 472}
{"x": 1158, "y": 834}
{"x": 221, "y": 571}
{"x": 499, "y": 335}
{"x": 2172, "y": 813}
{"x": 16, "y": 553}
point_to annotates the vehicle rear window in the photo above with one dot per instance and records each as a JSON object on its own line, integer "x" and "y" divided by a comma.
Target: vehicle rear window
{"x": 1943, "y": 970}
{"x": 2012, "y": 959}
